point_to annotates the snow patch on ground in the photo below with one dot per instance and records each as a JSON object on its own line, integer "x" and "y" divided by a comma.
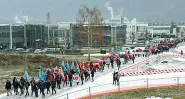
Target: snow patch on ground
{"x": 179, "y": 59}
{"x": 180, "y": 48}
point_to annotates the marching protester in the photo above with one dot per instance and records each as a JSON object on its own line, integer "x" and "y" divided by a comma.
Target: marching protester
{"x": 114, "y": 78}
{"x": 42, "y": 87}
{"x": 8, "y": 87}
{"x": 118, "y": 61}
{"x": 48, "y": 84}
{"x": 16, "y": 86}
{"x": 21, "y": 85}
{"x": 53, "y": 85}
{"x": 82, "y": 77}
{"x": 27, "y": 84}
{"x": 92, "y": 74}
{"x": 112, "y": 62}
{"x": 117, "y": 78}
{"x": 58, "y": 81}
{"x": 32, "y": 82}
{"x": 65, "y": 80}
{"x": 133, "y": 58}
{"x": 14, "y": 83}
{"x": 70, "y": 76}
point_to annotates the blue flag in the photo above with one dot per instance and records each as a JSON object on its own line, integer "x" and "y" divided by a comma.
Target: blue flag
{"x": 26, "y": 76}
{"x": 64, "y": 66}
{"x": 118, "y": 51}
{"x": 41, "y": 75}
{"x": 45, "y": 76}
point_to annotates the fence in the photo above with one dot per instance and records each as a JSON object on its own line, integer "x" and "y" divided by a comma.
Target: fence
{"x": 108, "y": 88}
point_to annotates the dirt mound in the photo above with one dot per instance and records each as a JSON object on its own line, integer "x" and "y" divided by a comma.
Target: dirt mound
{"x": 24, "y": 61}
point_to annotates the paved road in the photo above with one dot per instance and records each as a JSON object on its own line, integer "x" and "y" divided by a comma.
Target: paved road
{"x": 63, "y": 89}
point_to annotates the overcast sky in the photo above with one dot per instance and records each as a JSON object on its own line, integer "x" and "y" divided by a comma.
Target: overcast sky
{"x": 65, "y": 10}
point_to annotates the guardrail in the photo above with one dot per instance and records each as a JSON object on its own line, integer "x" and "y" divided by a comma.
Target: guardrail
{"x": 123, "y": 86}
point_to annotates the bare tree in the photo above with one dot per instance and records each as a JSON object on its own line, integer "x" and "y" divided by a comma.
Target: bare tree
{"x": 133, "y": 37}
{"x": 87, "y": 21}
{"x": 147, "y": 36}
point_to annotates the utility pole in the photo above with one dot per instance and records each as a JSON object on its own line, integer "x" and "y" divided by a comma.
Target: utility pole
{"x": 53, "y": 37}
{"x": 48, "y": 23}
{"x": 10, "y": 36}
{"x": 25, "y": 36}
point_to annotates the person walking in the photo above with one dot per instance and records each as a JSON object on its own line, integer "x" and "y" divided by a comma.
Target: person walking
{"x": 133, "y": 58}
{"x": 82, "y": 77}
{"x": 48, "y": 84}
{"x": 92, "y": 74}
{"x": 108, "y": 62}
{"x": 58, "y": 81}
{"x": 70, "y": 76}
{"x": 27, "y": 84}
{"x": 118, "y": 63}
{"x": 8, "y": 87}
{"x": 35, "y": 88}
{"x": 103, "y": 64}
{"x": 112, "y": 63}
{"x": 65, "y": 80}
{"x": 21, "y": 85}
{"x": 86, "y": 75}
{"x": 39, "y": 85}
{"x": 53, "y": 85}
{"x": 42, "y": 87}
{"x": 32, "y": 83}
{"x": 117, "y": 78}
{"x": 16, "y": 86}
{"x": 114, "y": 78}
{"x": 14, "y": 83}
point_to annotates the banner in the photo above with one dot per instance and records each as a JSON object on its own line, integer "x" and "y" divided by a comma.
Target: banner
{"x": 75, "y": 78}
{"x": 141, "y": 53}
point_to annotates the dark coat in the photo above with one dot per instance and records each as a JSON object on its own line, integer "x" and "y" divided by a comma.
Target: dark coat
{"x": 48, "y": 84}
{"x": 16, "y": 84}
{"x": 53, "y": 83}
{"x": 8, "y": 85}
{"x": 70, "y": 76}
{"x": 92, "y": 73}
{"x": 27, "y": 84}
{"x": 42, "y": 85}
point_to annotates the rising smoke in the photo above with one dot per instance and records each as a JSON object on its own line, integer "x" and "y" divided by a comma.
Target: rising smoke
{"x": 17, "y": 20}
{"x": 110, "y": 9}
{"x": 21, "y": 19}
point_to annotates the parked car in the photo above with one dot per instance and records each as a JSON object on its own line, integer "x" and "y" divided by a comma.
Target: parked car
{"x": 19, "y": 49}
{"x": 37, "y": 51}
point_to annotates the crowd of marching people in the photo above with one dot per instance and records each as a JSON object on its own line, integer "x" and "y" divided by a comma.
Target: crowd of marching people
{"x": 58, "y": 76}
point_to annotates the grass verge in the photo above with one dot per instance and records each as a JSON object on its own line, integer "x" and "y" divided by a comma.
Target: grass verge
{"x": 171, "y": 92}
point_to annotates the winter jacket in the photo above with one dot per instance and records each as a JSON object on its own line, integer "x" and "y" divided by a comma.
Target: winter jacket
{"x": 53, "y": 83}
{"x": 27, "y": 84}
{"x": 21, "y": 84}
{"x": 16, "y": 84}
{"x": 92, "y": 73}
{"x": 8, "y": 85}
{"x": 42, "y": 85}
{"x": 48, "y": 84}
{"x": 35, "y": 88}
{"x": 32, "y": 82}
{"x": 70, "y": 76}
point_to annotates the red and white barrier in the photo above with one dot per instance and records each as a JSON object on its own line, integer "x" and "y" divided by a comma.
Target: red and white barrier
{"x": 177, "y": 55}
{"x": 135, "y": 65}
{"x": 152, "y": 72}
